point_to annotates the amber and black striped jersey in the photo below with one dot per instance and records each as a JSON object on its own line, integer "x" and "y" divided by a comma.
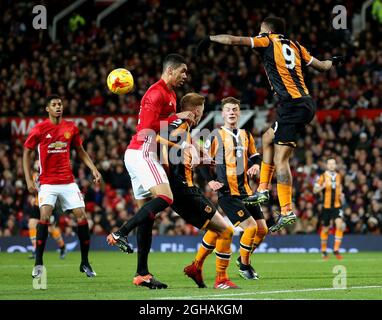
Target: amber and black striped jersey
{"x": 232, "y": 151}
{"x": 333, "y": 189}
{"x": 283, "y": 60}
{"x": 175, "y": 159}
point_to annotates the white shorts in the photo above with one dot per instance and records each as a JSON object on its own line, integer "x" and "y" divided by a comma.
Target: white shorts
{"x": 69, "y": 195}
{"x": 145, "y": 172}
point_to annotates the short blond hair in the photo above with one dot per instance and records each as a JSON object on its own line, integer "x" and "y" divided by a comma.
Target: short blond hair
{"x": 191, "y": 100}
{"x": 230, "y": 100}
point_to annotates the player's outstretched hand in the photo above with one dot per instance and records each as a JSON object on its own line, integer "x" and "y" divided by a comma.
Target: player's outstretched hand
{"x": 215, "y": 185}
{"x": 337, "y": 60}
{"x": 203, "y": 45}
{"x": 97, "y": 176}
{"x": 253, "y": 171}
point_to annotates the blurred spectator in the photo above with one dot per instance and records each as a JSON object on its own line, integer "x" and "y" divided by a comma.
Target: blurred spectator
{"x": 77, "y": 64}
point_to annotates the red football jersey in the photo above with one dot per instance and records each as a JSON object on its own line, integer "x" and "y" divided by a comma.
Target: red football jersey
{"x": 53, "y": 143}
{"x": 158, "y": 104}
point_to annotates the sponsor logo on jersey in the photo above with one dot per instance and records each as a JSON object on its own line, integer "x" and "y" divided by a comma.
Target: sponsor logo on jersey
{"x": 57, "y": 147}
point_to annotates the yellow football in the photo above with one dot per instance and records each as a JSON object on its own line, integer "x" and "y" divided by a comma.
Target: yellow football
{"x": 120, "y": 81}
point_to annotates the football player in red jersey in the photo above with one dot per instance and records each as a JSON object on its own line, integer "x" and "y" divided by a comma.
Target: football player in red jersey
{"x": 149, "y": 180}
{"x": 53, "y": 138}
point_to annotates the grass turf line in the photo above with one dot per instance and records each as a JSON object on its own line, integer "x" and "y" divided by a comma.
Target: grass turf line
{"x": 283, "y": 276}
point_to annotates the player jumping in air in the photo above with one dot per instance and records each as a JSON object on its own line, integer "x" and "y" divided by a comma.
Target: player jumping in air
{"x": 236, "y": 158}
{"x": 283, "y": 61}
{"x": 329, "y": 184}
{"x": 53, "y": 139}
{"x": 149, "y": 180}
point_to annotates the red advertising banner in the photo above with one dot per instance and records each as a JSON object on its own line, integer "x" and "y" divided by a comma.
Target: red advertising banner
{"x": 21, "y": 126}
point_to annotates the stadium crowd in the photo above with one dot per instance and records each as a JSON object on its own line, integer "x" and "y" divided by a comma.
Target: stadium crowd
{"x": 76, "y": 63}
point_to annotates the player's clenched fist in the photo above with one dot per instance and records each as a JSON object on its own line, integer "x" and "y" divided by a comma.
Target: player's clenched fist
{"x": 97, "y": 176}
{"x": 32, "y": 188}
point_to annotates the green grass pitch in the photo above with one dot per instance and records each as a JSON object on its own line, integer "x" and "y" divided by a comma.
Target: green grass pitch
{"x": 283, "y": 276}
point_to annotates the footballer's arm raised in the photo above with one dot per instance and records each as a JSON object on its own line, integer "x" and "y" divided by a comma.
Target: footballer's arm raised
{"x": 231, "y": 40}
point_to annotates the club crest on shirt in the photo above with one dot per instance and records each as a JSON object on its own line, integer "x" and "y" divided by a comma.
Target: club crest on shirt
{"x": 240, "y": 213}
{"x": 208, "y": 209}
{"x": 67, "y": 135}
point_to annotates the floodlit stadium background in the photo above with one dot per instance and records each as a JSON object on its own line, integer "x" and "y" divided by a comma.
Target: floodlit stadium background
{"x": 137, "y": 36}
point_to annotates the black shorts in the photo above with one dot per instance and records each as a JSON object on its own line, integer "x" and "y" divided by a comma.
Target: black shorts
{"x": 330, "y": 214}
{"x": 35, "y": 213}
{"x": 292, "y": 117}
{"x": 237, "y": 211}
{"x": 193, "y": 207}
